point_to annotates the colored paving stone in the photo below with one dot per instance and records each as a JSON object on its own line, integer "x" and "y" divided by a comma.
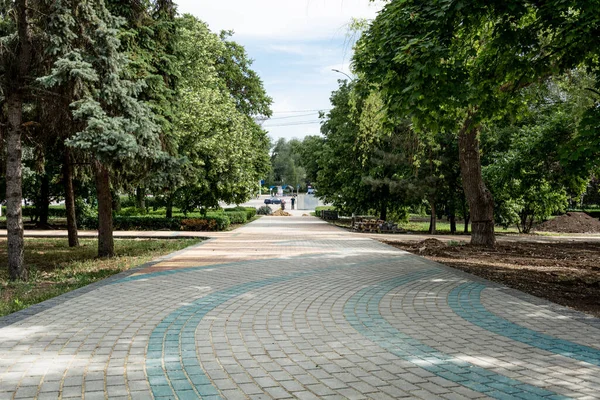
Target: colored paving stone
{"x": 295, "y": 308}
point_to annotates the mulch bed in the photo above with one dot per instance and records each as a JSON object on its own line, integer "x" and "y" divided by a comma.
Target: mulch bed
{"x": 564, "y": 273}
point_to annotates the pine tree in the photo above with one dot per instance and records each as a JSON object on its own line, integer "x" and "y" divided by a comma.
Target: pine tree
{"x": 109, "y": 123}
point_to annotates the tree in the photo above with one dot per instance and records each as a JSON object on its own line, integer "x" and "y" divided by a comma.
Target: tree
{"x": 16, "y": 53}
{"x": 111, "y": 125}
{"x": 528, "y": 162}
{"x": 225, "y": 151}
{"x": 453, "y": 67}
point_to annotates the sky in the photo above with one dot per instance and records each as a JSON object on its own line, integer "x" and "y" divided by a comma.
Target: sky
{"x": 295, "y": 44}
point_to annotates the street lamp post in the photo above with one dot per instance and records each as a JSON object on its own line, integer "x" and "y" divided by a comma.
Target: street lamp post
{"x": 341, "y": 72}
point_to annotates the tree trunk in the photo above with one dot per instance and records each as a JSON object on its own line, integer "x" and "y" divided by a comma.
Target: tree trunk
{"x": 432, "y": 218}
{"x": 140, "y": 198}
{"x": 383, "y": 211}
{"x": 43, "y": 206}
{"x": 14, "y": 192}
{"x": 481, "y": 202}
{"x": 14, "y": 174}
{"x": 70, "y": 200}
{"x": 116, "y": 201}
{"x": 452, "y": 223}
{"x": 467, "y": 220}
{"x": 170, "y": 206}
{"x": 106, "y": 246}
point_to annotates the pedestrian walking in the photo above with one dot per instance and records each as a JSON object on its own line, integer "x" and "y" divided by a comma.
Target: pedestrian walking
{"x": 293, "y": 202}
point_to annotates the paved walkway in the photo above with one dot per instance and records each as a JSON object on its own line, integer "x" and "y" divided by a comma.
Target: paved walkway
{"x": 295, "y": 308}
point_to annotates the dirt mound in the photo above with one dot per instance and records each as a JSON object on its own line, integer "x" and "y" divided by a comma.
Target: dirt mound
{"x": 572, "y": 222}
{"x": 427, "y": 247}
{"x": 281, "y": 213}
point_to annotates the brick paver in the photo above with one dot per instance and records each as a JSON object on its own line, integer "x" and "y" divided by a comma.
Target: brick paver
{"x": 292, "y": 308}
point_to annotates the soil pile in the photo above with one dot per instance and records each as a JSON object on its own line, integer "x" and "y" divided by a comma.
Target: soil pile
{"x": 427, "y": 247}
{"x": 572, "y": 222}
{"x": 281, "y": 213}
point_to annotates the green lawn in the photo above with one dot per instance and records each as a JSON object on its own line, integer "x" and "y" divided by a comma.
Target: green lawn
{"x": 56, "y": 269}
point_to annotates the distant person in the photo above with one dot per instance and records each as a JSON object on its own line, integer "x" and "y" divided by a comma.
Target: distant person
{"x": 282, "y": 204}
{"x": 293, "y": 202}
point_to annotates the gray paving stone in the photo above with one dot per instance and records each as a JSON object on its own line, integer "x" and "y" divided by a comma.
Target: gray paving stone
{"x": 298, "y": 309}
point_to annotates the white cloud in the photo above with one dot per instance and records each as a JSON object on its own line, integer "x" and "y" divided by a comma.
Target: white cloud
{"x": 296, "y": 44}
{"x": 281, "y": 19}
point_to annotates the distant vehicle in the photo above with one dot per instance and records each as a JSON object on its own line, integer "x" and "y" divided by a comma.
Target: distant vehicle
{"x": 267, "y": 201}
{"x": 275, "y": 200}
{"x": 310, "y": 191}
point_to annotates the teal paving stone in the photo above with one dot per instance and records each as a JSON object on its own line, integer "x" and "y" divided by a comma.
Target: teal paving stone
{"x": 154, "y": 354}
{"x": 504, "y": 388}
{"x": 187, "y": 395}
{"x": 173, "y": 366}
{"x": 180, "y": 384}
{"x": 162, "y": 391}
{"x": 157, "y": 381}
{"x": 157, "y": 362}
{"x": 371, "y": 324}
{"x": 472, "y": 310}
{"x": 501, "y": 395}
{"x": 451, "y": 376}
{"x": 199, "y": 380}
{"x": 154, "y": 371}
{"x": 177, "y": 375}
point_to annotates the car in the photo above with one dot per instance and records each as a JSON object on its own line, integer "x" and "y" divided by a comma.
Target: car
{"x": 267, "y": 201}
{"x": 275, "y": 200}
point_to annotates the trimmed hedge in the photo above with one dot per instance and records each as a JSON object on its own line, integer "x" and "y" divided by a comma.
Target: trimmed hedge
{"x": 237, "y": 217}
{"x": 250, "y": 211}
{"x": 53, "y": 211}
{"x": 212, "y": 222}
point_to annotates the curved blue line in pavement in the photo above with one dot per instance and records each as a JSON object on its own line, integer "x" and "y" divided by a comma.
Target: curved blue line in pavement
{"x": 172, "y": 365}
{"x": 362, "y": 312}
{"x": 465, "y": 300}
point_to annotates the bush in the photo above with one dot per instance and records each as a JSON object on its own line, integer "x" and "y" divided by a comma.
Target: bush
{"x": 85, "y": 215}
{"x": 132, "y": 211}
{"x": 53, "y": 212}
{"x": 237, "y": 217}
{"x": 250, "y": 211}
{"x": 264, "y": 210}
{"x": 151, "y": 223}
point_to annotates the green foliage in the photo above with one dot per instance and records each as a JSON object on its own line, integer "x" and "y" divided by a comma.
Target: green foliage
{"x": 53, "y": 211}
{"x": 249, "y": 211}
{"x": 264, "y": 210}
{"x": 226, "y": 152}
{"x": 212, "y": 221}
{"x": 237, "y": 217}
{"x": 530, "y": 169}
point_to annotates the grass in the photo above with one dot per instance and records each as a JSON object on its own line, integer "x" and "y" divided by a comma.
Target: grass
{"x": 444, "y": 227}
{"x": 54, "y": 268}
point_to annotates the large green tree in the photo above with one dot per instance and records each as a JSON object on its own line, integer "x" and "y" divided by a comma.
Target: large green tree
{"x": 225, "y": 151}
{"x": 110, "y": 124}
{"x": 454, "y": 66}
{"x": 17, "y": 63}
